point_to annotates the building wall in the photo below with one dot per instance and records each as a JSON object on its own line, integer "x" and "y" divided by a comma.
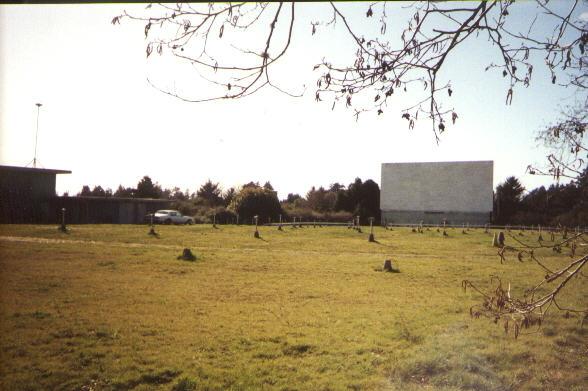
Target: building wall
{"x": 104, "y": 210}
{"x": 24, "y": 196}
{"x": 431, "y": 192}
{"x": 451, "y": 218}
{"x": 126, "y": 213}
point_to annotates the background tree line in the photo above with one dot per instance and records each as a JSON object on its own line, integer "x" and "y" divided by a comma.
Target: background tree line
{"x": 336, "y": 203}
{"x": 558, "y": 204}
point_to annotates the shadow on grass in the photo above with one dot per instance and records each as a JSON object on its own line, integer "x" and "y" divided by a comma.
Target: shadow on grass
{"x": 381, "y": 244}
{"x": 393, "y": 270}
{"x": 447, "y": 362}
{"x": 151, "y": 378}
{"x": 152, "y": 233}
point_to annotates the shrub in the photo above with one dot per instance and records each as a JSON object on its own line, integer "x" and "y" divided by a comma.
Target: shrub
{"x": 253, "y": 201}
{"x": 307, "y": 214}
{"x": 185, "y": 384}
{"x": 223, "y": 215}
{"x": 202, "y": 213}
{"x": 187, "y": 208}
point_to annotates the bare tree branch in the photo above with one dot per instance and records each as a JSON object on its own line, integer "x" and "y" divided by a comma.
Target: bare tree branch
{"x": 379, "y": 70}
{"x": 529, "y": 310}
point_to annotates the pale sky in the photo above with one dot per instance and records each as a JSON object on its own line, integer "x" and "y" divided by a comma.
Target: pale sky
{"x": 104, "y": 122}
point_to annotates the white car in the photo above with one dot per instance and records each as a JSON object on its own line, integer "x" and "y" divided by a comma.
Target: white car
{"x": 170, "y": 217}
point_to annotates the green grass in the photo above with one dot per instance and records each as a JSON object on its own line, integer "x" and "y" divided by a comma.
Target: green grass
{"x": 110, "y": 307}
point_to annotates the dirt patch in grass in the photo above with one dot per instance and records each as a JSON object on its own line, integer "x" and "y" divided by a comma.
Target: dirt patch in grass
{"x": 450, "y": 361}
{"x": 185, "y": 384}
{"x": 296, "y": 350}
{"x": 151, "y": 378}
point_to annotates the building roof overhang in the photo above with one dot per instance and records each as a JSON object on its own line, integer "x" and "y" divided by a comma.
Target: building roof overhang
{"x": 113, "y": 199}
{"x": 33, "y": 169}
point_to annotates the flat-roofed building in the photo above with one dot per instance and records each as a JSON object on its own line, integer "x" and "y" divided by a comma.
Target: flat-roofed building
{"x": 27, "y": 196}
{"x": 25, "y": 193}
{"x": 431, "y": 192}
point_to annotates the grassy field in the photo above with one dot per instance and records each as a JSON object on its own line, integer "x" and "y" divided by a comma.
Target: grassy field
{"x": 108, "y": 307}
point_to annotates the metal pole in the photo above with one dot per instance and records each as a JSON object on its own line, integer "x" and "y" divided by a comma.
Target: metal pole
{"x": 256, "y": 233}
{"x": 371, "y": 237}
{"x": 151, "y": 228}
{"x": 63, "y": 228}
{"x": 37, "y": 134}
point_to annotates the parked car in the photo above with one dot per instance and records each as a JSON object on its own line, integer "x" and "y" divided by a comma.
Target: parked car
{"x": 169, "y": 217}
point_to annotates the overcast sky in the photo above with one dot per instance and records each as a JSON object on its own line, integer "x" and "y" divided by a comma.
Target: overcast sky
{"x": 104, "y": 122}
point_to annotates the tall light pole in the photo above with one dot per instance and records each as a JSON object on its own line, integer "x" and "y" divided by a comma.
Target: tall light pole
{"x": 37, "y": 134}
